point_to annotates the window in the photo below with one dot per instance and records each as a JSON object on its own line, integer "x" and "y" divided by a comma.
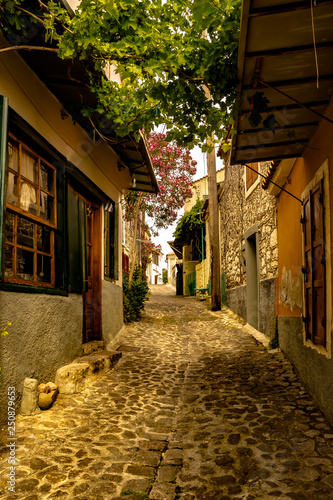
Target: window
{"x": 251, "y": 175}
{"x": 314, "y": 266}
{"x": 30, "y": 217}
{"x": 155, "y": 259}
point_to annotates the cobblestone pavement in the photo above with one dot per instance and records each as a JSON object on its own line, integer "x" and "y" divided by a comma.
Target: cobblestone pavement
{"x": 195, "y": 409}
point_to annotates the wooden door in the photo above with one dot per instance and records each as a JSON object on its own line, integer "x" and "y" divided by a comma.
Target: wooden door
{"x": 92, "y": 295}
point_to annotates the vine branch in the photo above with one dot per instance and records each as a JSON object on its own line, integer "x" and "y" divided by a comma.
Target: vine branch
{"x": 27, "y": 47}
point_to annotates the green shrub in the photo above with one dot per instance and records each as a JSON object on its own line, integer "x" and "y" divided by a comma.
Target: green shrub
{"x": 134, "y": 296}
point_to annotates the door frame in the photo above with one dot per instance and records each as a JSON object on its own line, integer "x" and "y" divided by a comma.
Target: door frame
{"x": 252, "y": 276}
{"x": 96, "y": 269}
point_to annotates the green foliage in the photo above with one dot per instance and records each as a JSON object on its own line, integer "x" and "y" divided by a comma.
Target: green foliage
{"x": 165, "y": 275}
{"x": 190, "y": 223}
{"x": 274, "y": 343}
{"x": 165, "y": 62}
{"x": 4, "y": 330}
{"x": 258, "y": 105}
{"x": 135, "y": 295}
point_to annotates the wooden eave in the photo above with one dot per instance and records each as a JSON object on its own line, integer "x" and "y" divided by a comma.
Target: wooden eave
{"x": 277, "y": 49}
{"x": 68, "y": 81}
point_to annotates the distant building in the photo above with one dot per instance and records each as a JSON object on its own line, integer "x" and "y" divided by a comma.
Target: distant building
{"x": 171, "y": 261}
{"x": 154, "y": 269}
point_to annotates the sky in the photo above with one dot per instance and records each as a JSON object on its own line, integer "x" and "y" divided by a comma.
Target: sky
{"x": 167, "y": 234}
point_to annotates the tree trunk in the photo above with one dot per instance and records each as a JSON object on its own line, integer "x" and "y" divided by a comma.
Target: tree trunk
{"x": 214, "y": 236}
{"x": 133, "y": 250}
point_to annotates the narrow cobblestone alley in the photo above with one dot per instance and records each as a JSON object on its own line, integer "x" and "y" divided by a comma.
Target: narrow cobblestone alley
{"x": 195, "y": 409}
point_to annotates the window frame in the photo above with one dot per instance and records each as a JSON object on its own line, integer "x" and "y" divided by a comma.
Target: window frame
{"x": 256, "y": 181}
{"x": 35, "y": 220}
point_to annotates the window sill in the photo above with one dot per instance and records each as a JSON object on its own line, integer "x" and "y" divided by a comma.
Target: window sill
{"x": 20, "y": 288}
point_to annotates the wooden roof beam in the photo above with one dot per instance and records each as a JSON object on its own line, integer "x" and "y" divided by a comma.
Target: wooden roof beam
{"x": 271, "y": 144}
{"x": 277, "y": 9}
{"x": 287, "y": 50}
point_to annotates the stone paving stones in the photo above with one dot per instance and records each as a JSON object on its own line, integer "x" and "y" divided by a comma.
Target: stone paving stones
{"x": 196, "y": 409}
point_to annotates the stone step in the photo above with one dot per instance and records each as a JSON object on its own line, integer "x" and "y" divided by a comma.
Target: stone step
{"x": 94, "y": 345}
{"x": 76, "y": 376}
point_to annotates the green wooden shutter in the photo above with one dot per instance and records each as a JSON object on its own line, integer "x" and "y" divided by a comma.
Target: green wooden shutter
{"x": 77, "y": 246}
{"x": 107, "y": 244}
{"x": 3, "y": 151}
{"x": 59, "y": 235}
{"x": 115, "y": 242}
{"x": 111, "y": 243}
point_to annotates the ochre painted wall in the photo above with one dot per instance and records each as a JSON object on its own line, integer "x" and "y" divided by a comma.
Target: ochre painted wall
{"x": 289, "y": 213}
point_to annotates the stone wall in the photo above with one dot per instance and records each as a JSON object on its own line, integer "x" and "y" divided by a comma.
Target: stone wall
{"x": 239, "y": 212}
{"x": 314, "y": 369}
{"x": 47, "y": 334}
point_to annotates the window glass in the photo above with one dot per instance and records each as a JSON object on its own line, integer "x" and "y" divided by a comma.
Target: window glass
{"x": 43, "y": 239}
{"x": 28, "y": 198}
{"x": 25, "y": 232}
{"x": 11, "y": 189}
{"x": 29, "y": 238}
{"x": 46, "y": 178}
{"x": 29, "y": 166}
{"x": 46, "y": 206}
{"x": 43, "y": 268}
{"x": 13, "y": 156}
{"x": 25, "y": 264}
{"x": 9, "y": 227}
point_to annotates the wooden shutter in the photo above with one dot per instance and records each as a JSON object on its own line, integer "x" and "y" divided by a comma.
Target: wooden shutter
{"x": 59, "y": 235}
{"x": 107, "y": 244}
{"x": 315, "y": 268}
{"x": 77, "y": 244}
{"x": 251, "y": 176}
{"x": 3, "y": 151}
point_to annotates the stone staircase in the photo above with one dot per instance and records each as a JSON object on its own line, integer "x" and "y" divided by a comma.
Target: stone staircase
{"x": 82, "y": 372}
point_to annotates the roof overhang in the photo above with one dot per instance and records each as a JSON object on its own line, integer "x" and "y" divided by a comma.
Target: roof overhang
{"x": 277, "y": 56}
{"x": 68, "y": 81}
{"x": 177, "y": 248}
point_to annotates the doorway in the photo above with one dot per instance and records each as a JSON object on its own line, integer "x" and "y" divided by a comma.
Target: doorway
{"x": 92, "y": 293}
{"x": 252, "y": 278}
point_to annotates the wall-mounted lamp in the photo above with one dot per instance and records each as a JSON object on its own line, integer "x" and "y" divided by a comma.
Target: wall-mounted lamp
{"x": 63, "y": 114}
